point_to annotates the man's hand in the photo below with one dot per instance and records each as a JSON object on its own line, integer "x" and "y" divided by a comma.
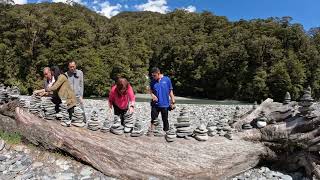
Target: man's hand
{"x": 131, "y": 109}
{"x": 43, "y": 94}
{"x": 81, "y": 99}
{"x": 154, "y": 98}
{"x": 37, "y": 92}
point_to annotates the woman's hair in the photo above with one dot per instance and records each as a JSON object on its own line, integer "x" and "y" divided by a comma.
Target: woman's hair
{"x": 55, "y": 72}
{"x": 122, "y": 85}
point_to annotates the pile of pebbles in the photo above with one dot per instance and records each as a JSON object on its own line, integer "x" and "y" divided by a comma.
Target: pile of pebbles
{"x": 171, "y": 135}
{"x": 117, "y": 128}
{"x": 264, "y": 173}
{"x": 77, "y": 117}
{"x": 23, "y": 103}
{"x": 158, "y": 129}
{"x": 93, "y": 122}
{"x": 201, "y": 133}
{"x": 137, "y": 130}
{"x": 3, "y": 94}
{"x": 128, "y": 122}
{"x": 183, "y": 125}
{"x": 20, "y": 162}
{"x": 48, "y": 108}
{"x": 13, "y": 93}
{"x": 63, "y": 114}
{"x": 35, "y": 105}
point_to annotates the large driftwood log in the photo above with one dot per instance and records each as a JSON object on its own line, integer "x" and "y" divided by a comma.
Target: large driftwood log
{"x": 294, "y": 140}
{"x": 142, "y": 157}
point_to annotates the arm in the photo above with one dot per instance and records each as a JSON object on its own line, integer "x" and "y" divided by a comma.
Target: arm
{"x": 171, "y": 92}
{"x": 153, "y": 96}
{"x": 132, "y": 97}
{"x": 173, "y": 101}
{"x": 58, "y": 83}
{"x": 81, "y": 84}
{"x": 111, "y": 97}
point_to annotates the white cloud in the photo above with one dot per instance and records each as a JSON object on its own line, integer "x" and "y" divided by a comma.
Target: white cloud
{"x": 108, "y": 10}
{"x": 20, "y": 1}
{"x": 154, "y": 6}
{"x": 190, "y": 8}
{"x": 68, "y": 1}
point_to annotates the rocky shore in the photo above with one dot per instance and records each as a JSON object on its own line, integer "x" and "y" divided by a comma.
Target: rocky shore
{"x": 27, "y": 162}
{"x": 24, "y": 162}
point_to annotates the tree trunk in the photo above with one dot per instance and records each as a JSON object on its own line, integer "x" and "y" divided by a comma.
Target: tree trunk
{"x": 293, "y": 140}
{"x": 142, "y": 157}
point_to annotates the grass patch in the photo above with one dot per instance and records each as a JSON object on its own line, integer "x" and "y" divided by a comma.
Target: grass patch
{"x": 11, "y": 138}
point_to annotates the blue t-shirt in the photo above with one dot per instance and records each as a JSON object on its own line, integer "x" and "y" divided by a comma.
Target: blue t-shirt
{"x": 161, "y": 89}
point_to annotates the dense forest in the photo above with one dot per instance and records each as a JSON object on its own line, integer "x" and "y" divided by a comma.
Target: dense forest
{"x": 204, "y": 54}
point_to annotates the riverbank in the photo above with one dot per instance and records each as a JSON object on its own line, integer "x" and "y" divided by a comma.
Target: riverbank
{"x": 184, "y": 100}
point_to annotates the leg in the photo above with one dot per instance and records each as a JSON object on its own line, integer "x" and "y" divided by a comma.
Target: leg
{"x": 82, "y": 107}
{"x": 57, "y": 101}
{"x": 70, "y": 111}
{"x": 154, "y": 115}
{"x": 164, "y": 116}
{"x": 117, "y": 114}
{"x": 128, "y": 118}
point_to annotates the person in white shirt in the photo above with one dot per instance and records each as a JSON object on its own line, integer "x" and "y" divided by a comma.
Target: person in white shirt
{"x": 49, "y": 80}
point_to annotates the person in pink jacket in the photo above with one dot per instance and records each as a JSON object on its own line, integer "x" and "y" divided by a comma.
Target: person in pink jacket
{"x": 122, "y": 99}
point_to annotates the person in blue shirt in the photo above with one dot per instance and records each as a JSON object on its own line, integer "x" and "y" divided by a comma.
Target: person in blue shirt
{"x": 161, "y": 92}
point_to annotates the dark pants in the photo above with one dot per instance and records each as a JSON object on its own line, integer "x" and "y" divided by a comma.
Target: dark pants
{"x": 71, "y": 111}
{"x": 57, "y": 101}
{"x": 119, "y": 112}
{"x": 164, "y": 115}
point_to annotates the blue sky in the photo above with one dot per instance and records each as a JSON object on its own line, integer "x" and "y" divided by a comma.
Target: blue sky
{"x": 305, "y": 12}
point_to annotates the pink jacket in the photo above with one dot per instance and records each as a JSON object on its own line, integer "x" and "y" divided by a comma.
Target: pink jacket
{"x": 122, "y": 101}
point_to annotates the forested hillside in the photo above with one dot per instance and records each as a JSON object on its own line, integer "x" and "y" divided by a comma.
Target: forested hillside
{"x": 205, "y": 55}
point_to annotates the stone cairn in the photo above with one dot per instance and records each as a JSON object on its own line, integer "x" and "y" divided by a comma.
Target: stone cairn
{"x": 183, "y": 125}
{"x": 262, "y": 120}
{"x": 306, "y": 103}
{"x": 137, "y": 129}
{"x": 63, "y": 114}
{"x": 3, "y": 94}
{"x": 287, "y": 98}
{"x": 223, "y": 126}
{"x": 93, "y": 122}
{"x": 117, "y": 127}
{"x": 77, "y": 117}
{"x": 14, "y": 93}
{"x": 128, "y": 122}
{"x": 236, "y": 116}
{"x": 212, "y": 128}
{"x": 48, "y": 108}
{"x": 246, "y": 126}
{"x": 158, "y": 129}
{"x": 201, "y": 133}
{"x": 23, "y": 103}
{"x": 106, "y": 125}
{"x": 35, "y": 105}
{"x": 255, "y": 105}
{"x": 171, "y": 135}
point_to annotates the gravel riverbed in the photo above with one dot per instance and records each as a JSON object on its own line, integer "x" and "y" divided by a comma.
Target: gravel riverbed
{"x": 25, "y": 162}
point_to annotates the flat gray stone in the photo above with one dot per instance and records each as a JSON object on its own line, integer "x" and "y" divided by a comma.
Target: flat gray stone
{"x": 2, "y": 168}
{"x": 3, "y": 158}
{"x": 37, "y": 164}
{"x": 86, "y": 171}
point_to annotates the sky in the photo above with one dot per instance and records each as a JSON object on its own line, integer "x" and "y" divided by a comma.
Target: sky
{"x": 305, "y": 12}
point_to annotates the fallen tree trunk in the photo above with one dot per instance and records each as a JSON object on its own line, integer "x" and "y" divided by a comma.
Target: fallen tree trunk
{"x": 142, "y": 157}
{"x": 293, "y": 141}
